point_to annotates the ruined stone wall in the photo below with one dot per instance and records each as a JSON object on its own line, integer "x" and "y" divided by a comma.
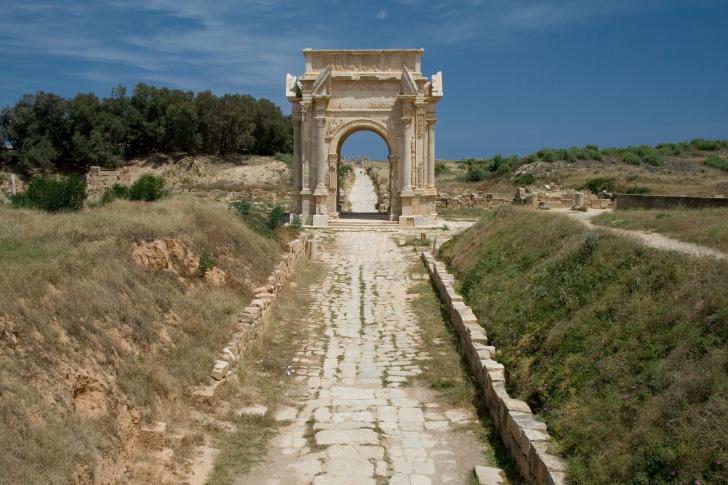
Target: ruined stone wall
{"x": 524, "y": 436}
{"x": 98, "y": 180}
{"x": 635, "y": 201}
{"x": 250, "y": 322}
{"x": 473, "y": 199}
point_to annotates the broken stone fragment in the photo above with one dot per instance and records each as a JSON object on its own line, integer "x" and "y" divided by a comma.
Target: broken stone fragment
{"x": 220, "y": 369}
{"x": 488, "y": 475}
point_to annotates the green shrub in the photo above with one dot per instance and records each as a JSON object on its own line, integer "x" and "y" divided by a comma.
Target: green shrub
{"x": 296, "y": 222}
{"x": 524, "y": 178}
{"x": 717, "y": 162}
{"x": 706, "y": 145}
{"x": 653, "y": 158}
{"x": 242, "y": 207}
{"x": 116, "y": 191}
{"x": 599, "y": 184}
{"x": 441, "y": 169}
{"x": 476, "y": 171}
{"x": 277, "y": 217}
{"x": 286, "y": 158}
{"x": 206, "y": 263}
{"x": 52, "y": 194}
{"x": 147, "y": 188}
{"x": 631, "y": 158}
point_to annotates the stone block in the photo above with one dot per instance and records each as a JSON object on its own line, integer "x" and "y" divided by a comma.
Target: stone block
{"x": 488, "y": 475}
{"x": 151, "y": 436}
{"x": 220, "y": 369}
{"x": 320, "y": 220}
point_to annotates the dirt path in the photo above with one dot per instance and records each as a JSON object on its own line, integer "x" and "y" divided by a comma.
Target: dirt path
{"x": 359, "y": 414}
{"x": 652, "y": 239}
{"x": 363, "y": 196}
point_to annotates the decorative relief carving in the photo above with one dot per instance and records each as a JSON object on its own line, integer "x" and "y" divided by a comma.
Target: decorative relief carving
{"x": 333, "y": 161}
{"x": 395, "y": 128}
{"x": 413, "y": 161}
{"x": 381, "y": 105}
{"x": 364, "y": 62}
{"x": 333, "y": 127}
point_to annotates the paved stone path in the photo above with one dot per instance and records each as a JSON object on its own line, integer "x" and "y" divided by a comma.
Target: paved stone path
{"x": 357, "y": 418}
{"x": 362, "y": 196}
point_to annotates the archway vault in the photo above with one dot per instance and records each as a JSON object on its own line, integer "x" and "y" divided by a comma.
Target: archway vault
{"x": 383, "y": 91}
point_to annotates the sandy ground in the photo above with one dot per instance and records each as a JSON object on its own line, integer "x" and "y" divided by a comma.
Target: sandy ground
{"x": 651, "y": 239}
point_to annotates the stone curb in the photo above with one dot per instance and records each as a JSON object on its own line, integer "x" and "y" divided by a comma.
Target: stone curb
{"x": 525, "y": 437}
{"x": 250, "y": 321}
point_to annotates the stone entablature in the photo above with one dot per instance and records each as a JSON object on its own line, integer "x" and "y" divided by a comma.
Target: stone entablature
{"x": 383, "y": 91}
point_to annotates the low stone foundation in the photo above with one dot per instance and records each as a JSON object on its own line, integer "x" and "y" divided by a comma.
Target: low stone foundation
{"x": 98, "y": 180}
{"x": 250, "y": 322}
{"x": 524, "y": 436}
{"x": 641, "y": 201}
{"x": 472, "y": 199}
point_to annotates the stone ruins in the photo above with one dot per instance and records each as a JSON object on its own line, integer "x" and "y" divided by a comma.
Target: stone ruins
{"x": 382, "y": 91}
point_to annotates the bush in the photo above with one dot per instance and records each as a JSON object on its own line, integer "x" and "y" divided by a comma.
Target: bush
{"x": 706, "y": 145}
{"x": 600, "y": 184}
{"x": 631, "y": 158}
{"x": 242, "y": 207}
{"x": 296, "y": 223}
{"x": 117, "y": 191}
{"x": 53, "y": 194}
{"x": 277, "y": 217}
{"x": 286, "y": 158}
{"x": 476, "y": 171}
{"x": 654, "y": 159}
{"x": 441, "y": 168}
{"x": 717, "y": 162}
{"x": 147, "y": 188}
{"x": 524, "y": 178}
{"x": 206, "y": 263}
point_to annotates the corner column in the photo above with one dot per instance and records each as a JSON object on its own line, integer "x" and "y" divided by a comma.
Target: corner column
{"x": 431, "y": 153}
{"x": 321, "y": 218}
{"x": 297, "y": 169}
{"x": 305, "y": 159}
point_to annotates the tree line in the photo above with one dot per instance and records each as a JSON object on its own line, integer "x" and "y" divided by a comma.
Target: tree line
{"x": 49, "y": 132}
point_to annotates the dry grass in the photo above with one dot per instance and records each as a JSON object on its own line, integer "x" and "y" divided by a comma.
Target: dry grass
{"x": 263, "y": 377}
{"x": 708, "y": 227}
{"x": 74, "y": 304}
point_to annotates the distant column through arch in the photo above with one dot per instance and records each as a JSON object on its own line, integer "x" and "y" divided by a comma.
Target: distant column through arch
{"x": 383, "y": 91}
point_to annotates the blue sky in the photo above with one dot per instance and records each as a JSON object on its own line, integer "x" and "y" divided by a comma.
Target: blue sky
{"x": 518, "y": 74}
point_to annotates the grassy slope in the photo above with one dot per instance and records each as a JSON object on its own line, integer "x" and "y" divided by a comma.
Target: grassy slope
{"x": 708, "y": 227}
{"x": 622, "y": 349}
{"x": 73, "y": 303}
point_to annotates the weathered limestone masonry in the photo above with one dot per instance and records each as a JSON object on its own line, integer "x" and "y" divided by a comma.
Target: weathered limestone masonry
{"x": 250, "y": 322}
{"x": 379, "y": 90}
{"x": 558, "y": 198}
{"x": 98, "y": 180}
{"x": 472, "y": 199}
{"x": 525, "y": 438}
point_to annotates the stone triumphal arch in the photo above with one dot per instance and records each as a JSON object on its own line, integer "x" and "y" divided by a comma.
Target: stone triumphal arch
{"x": 383, "y": 91}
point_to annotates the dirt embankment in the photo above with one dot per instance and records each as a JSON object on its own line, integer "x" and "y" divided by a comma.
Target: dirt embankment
{"x": 106, "y": 322}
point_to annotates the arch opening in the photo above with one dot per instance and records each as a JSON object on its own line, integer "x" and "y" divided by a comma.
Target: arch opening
{"x": 363, "y": 174}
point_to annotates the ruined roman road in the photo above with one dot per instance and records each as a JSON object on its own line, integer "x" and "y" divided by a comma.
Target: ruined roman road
{"x": 358, "y": 414}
